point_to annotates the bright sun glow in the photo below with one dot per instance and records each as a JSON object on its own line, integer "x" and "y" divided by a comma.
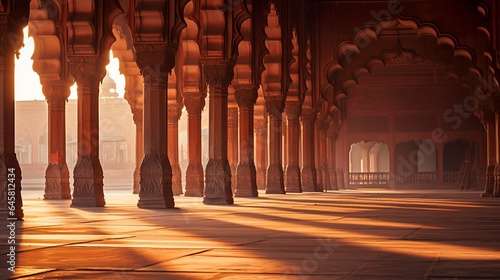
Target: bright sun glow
{"x": 28, "y": 85}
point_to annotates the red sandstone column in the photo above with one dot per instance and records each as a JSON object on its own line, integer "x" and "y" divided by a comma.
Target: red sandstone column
{"x": 292, "y": 177}
{"x": 57, "y": 173}
{"x": 232, "y": 140}
{"x": 318, "y": 156}
{"x": 324, "y": 158}
{"x": 194, "y": 103}
{"x": 496, "y": 190}
{"x": 88, "y": 175}
{"x": 139, "y": 148}
{"x": 10, "y": 171}
{"x": 261, "y": 148}
{"x": 491, "y": 146}
{"x": 155, "y": 63}
{"x": 332, "y": 154}
{"x": 246, "y": 181}
{"x": 174, "y": 113}
{"x": 309, "y": 183}
{"x": 440, "y": 163}
{"x": 218, "y": 75}
{"x": 274, "y": 179}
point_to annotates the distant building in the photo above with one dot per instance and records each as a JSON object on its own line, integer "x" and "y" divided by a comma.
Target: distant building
{"x": 117, "y": 135}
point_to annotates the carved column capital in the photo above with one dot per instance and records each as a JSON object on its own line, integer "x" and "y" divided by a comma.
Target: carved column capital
{"x": 4, "y": 30}
{"x": 137, "y": 116}
{"x": 275, "y": 105}
{"x": 194, "y": 102}
{"x": 218, "y": 73}
{"x": 86, "y": 69}
{"x": 293, "y": 110}
{"x": 245, "y": 95}
{"x": 11, "y": 34}
{"x": 56, "y": 90}
{"x": 174, "y": 112}
{"x": 308, "y": 116}
{"x": 155, "y": 60}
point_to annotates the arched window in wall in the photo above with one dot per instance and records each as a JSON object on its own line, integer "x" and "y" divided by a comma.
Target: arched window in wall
{"x": 416, "y": 162}
{"x": 369, "y": 163}
{"x": 460, "y": 161}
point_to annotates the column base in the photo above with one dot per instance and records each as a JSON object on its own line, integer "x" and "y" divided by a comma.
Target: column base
{"x": 176, "y": 180}
{"x": 137, "y": 180}
{"x": 10, "y": 180}
{"x": 218, "y": 183}
{"x": 234, "y": 181}
{"x": 333, "y": 181}
{"x": 156, "y": 183}
{"x": 261, "y": 178}
{"x": 88, "y": 183}
{"x": 340, "y": 179}
{"x": 57, "y": 182}
{"x": 274, "y": 180}
{"x": 246, "y": 180}
{"x": 326, "y": 178}
{"x": 194, "y": 181}
{"x": 309, "y": 179}
{"x": 293, "y": 179}
{"x": 489, "y": 186}
{"x": 319, "y": 178}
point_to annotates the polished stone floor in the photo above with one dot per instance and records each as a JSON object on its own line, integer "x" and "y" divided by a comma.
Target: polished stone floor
{"x": 362, "y": 234}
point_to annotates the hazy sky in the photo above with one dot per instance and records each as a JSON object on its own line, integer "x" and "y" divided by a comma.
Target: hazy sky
{"x": 28, "y": 83}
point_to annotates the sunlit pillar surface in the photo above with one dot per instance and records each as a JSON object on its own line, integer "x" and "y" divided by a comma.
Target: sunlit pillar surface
{"x": 292, "y": 171}
{"x": 88, "y": 174}
{"x": 194, "y": 103}
{"x": 218, "y": 173}
{"x": 246, "y": 184}
{"x": 156, "y": 172}
{"x": 174, "y": 114}
{"x": 57, "y": 173}
{"x": 274, "y": 177}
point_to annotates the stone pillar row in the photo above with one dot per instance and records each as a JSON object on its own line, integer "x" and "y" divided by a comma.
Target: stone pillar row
{"x": 155, "y": 177}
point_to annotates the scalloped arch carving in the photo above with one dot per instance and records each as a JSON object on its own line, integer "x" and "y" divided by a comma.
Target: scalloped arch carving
{"x": 43, "y": 27}
{"x": 271, "y": 77}
{"x": 354, "y": 59}
{"x": 188, "y": 66}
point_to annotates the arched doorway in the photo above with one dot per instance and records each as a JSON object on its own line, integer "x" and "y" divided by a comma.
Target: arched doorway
{"x": 416, "y": 162}
{"x": 460, "y": 162}
{"x": 369, "y": 163}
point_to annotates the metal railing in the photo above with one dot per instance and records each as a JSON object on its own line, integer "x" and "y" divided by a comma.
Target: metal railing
{"x": 372, "y": 178}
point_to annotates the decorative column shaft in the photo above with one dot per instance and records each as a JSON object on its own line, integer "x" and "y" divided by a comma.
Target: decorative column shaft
{"x": 232, "y": 142}
{"x": 155, "y": 63}
{"x": 218, "y": 75}
{"x": 318, "y": 156}
{"x": 139, "y": 148}
{"x": 88, "y": 174}
{"x": 10, "y": 171}
{"x": 292, "y": 171}
{"x": 246, "y": 181}
{"x": 491, "y": 152}
{"x": 496, "y": 190}
{"x": 274, "y": 178}
{"x": 309, "y": 183}
{"x": 57, "y": 173}
{"x": 324, "y": 159}
{"x": 174, "y": 113}
{"x": 332, "y": 158}
{"x": 194, "y": 103}
{"x": 261, "y": 151}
